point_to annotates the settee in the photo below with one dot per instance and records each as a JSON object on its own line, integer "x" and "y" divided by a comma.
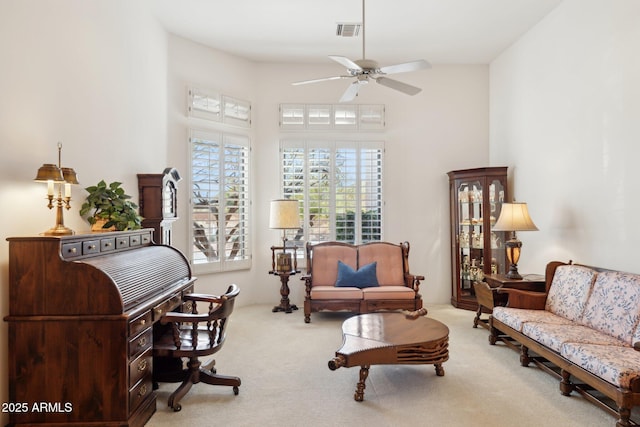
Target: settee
{"x": 359, "y": 278}
{"x": 584, "y": 329}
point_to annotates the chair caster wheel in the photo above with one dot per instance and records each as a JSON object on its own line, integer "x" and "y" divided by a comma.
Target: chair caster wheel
{"x": 236, "y": 390}
{"x": 177, "y": 408}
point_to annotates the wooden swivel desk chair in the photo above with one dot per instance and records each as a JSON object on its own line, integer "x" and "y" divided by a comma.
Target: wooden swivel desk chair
{"x": 193, "y": 335}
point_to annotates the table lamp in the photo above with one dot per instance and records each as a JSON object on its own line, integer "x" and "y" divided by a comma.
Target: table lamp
{"x": 284, "y": 215}
{"x": 52, "y": 175}
{"x": 514, "y": 217}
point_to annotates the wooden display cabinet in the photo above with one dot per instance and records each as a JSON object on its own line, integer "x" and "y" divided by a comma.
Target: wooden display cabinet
{"x": 476, "y": 197}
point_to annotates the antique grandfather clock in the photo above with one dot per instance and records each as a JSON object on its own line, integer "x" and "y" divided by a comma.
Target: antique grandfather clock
{"x": 158, "y": 203}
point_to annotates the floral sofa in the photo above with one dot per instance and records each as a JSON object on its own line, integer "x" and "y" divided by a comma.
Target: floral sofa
{"x": 359, "y": 278}
{"x": 586, "y": 326}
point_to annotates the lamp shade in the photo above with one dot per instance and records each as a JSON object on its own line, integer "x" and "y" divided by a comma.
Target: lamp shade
{"x": 514, "y": 217}
{"x": 70, "y": 176}
{"x": 284, "y": 214}
{"x": 49, "y": 172}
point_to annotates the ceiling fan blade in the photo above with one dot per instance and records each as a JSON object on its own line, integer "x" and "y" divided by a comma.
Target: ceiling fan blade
{"x": 405, "y": 67}
{"x": 351, "y": 92}
{"x": 342, "y": 60}
{"x": 395, "y": 84}
{"x": 323, "y": 79}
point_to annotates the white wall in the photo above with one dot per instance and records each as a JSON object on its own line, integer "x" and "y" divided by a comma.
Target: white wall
{"x": 89, "y": 74}
{"x": 565, "y": 108}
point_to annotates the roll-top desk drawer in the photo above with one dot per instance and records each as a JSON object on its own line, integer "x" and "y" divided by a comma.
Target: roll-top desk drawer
{"x": 140, "y": 392}
{"x": 168, "y": 305}
{"x": 140, "y": 367}
{"x": 140, "y": 323}
{"x": 140, "y": 343}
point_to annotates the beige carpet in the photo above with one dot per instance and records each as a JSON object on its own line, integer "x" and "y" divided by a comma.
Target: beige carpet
{"x": 286, "y": 382}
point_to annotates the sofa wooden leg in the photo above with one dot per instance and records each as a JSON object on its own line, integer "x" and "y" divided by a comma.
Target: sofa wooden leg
{"x": 524, "y": 356}
{"x": 566, "y": 386}
{"x": 624, "y": 417}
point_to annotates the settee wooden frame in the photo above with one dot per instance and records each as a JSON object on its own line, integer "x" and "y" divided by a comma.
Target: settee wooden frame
{"x": 360, "y": 306}
{"x": 553, "y": 363}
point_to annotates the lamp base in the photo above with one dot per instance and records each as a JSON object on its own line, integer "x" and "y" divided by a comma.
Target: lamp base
{"x": 283, "y": 264}
{"x": 59, "y": 230}
{"x": 513, "y": 247}
{"x": 513, "y": 273}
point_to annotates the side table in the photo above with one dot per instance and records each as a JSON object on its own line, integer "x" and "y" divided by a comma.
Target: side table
{"x": 488, "y": 296}
{"x": 285, "y": 304}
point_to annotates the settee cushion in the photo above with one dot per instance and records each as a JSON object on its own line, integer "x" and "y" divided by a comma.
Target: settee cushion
{"x": 516, "y": 317}
{"x": 332, "y": 292}
{"x": 388, "y": 292}
{"x": 569, "y": 291}
{"x": 325, "y": 263}
{"x": 614, "y": 305}
{"x": 615, "y": 364}
{"x": 389, "y": 260}
{"x": 364, "y": 277}
{"x": 555, "y": 335}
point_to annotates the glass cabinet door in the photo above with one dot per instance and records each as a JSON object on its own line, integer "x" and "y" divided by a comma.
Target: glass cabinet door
{"x": 470, "y": 237}
{"x": 476, "y": 201}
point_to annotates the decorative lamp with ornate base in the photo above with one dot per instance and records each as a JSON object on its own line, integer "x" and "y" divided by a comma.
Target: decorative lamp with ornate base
{"x": 57, "y": 175}
{"x": 514, "y": 217}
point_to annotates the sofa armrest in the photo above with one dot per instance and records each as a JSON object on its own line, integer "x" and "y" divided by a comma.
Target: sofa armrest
{"x": 524, "y": 299}
{"x": 413, "y": 281}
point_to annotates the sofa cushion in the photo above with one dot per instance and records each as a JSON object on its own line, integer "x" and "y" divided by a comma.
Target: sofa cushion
{"x": 389, "y": 258}
{"x": 569, "y": 291}
{"x": 364, "y": 277}
{"x": 554, "y": 335}
{"x": 325, "y": 263}
{"x": 614, "y": 305}
{"x": 615, "y": 364}
{"x": 516, "y": 317}
{"x": 331, "y": 292}
{"x": 388, "y": 292}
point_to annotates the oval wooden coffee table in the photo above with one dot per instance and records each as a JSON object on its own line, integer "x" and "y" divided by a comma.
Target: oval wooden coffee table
{"x": 391, "y": 338}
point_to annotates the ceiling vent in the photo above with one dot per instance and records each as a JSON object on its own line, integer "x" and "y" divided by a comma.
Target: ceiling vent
{"x": 348, "y": 29}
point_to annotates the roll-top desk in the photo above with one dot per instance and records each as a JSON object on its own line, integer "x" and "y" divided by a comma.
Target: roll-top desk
{"x": 81, "y": 316}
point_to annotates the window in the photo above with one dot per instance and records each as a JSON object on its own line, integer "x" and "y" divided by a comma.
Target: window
{"x": 220, "y": 202}
{"x": 331, "y": 117}
{"x": 211, "y": 106}
{"x": 339, "y": 186}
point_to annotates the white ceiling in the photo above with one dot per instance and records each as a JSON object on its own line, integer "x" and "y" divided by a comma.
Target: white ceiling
{"x": 303, "y": 31}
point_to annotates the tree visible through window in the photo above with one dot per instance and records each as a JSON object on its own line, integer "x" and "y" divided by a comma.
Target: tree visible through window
{"x": 339, "y": 186}
{"x": 220, "y": 200}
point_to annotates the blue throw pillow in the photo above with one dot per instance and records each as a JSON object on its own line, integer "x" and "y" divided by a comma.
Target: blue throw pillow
{"x": 365, "y": 277}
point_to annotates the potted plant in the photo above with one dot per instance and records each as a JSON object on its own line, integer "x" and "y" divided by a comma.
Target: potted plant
{"x": 108, "y": 207}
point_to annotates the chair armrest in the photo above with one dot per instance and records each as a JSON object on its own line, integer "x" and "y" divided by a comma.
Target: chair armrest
{"x": 524, "y": 299}
{"x": 177, "y": 317}
{"x": 203, "y": 297}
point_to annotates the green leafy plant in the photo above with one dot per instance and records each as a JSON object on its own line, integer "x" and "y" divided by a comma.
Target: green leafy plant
{"x": 110, "y": 203}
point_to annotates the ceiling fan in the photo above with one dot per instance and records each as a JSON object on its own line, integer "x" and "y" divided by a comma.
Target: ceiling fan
{"x": 363, "y": 70}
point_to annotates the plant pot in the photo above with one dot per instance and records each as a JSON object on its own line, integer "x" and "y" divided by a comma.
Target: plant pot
{"x": 97, "y": 226}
